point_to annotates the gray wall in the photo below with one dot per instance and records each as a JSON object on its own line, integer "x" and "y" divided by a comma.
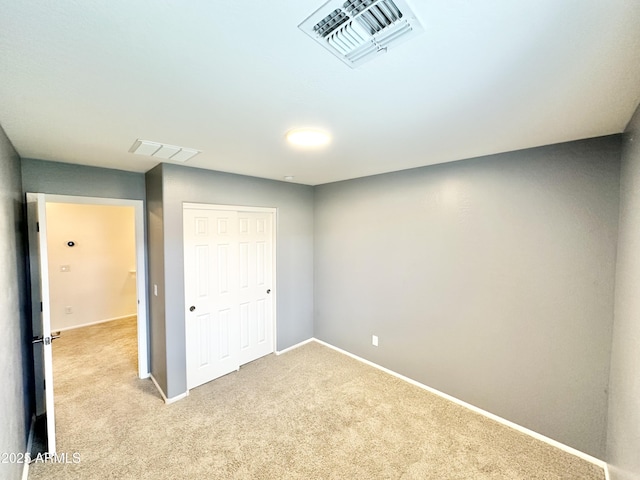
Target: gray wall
{"x": 294, "y": 253}
{"x": 155, "y": 255}
{"x": 16, "y": 394}
{"x": 623, "y": 433}
{"x": 489, "y": 279}
{"x": 66, "y": 179}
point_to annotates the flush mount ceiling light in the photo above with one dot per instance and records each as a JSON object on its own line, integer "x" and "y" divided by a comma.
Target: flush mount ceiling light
{"x": 162, "y": 151}
{"x": 356, "y": 31}
{"x": 308, "y": 137}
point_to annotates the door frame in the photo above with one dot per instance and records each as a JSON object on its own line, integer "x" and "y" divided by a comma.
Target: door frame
{"x": 141, "y": 268}
{"x": 274, "y": 274}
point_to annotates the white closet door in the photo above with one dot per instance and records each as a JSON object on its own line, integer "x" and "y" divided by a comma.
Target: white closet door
{"x": 229, "y": 269}
{"x": 212, "y": 328}
{"x": 255, "y": 252}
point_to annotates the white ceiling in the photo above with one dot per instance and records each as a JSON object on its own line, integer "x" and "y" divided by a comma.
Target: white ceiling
{"x": 81, "y": 80}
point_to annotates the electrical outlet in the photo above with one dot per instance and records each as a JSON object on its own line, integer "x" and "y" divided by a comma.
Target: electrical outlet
{"x": 68, "y": 310}
{"x": 374, "y": 340}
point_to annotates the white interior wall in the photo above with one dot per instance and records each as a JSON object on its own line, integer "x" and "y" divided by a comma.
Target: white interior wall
{"x": 100, "y": 283}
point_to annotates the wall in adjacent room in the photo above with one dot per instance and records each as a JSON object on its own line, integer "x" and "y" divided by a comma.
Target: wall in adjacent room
{"x": 16, "y": 394}
{"x": 96, "y": 278}
{"x": 294, "y": 252}
{"x": 623, "y": 432}
{"x": 489, "y": 279}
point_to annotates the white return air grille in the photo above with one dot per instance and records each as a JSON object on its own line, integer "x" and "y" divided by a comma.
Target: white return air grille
{"x": 357, "y": 30}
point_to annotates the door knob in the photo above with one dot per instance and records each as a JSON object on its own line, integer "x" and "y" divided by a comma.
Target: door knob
{"x": 268, "y": 290}
{"x": 46, "y": 340}
{"x": 192, "y": 308}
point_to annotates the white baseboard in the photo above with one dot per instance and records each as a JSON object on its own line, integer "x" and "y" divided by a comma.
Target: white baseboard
{"x": 73, "y": 327}
{"x": 293, "y": 347}
{"x": 508, "y": 423}
{"x": 164, "y": 397}
{"x": 32, "y": 429}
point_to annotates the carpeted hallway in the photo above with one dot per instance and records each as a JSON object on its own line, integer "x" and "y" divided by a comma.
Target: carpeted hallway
{"x": 311, "y": 413}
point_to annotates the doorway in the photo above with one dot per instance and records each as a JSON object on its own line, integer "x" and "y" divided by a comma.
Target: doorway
{"x": 135, "y": 283}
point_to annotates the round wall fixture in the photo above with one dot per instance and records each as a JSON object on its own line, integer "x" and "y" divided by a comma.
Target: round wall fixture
{"x": 71, "y": 243}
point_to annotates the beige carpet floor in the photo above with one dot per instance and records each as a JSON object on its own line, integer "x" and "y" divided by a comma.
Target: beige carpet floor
{"x": 311, "y": 413}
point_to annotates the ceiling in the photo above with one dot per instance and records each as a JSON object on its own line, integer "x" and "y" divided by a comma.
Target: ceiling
{"x": 81, "y": 80}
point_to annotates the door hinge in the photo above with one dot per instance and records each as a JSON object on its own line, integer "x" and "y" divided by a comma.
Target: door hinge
{"x": 37, "y": 226}
{"x": 41, "y": 306}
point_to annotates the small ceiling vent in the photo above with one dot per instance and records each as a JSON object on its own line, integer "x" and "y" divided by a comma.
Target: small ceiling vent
{"x": 163, "y": 151}
{"x": 357, "y": 30}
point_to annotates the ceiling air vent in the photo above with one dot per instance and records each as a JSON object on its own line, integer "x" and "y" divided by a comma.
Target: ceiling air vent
{"x": 357, "y": 30}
